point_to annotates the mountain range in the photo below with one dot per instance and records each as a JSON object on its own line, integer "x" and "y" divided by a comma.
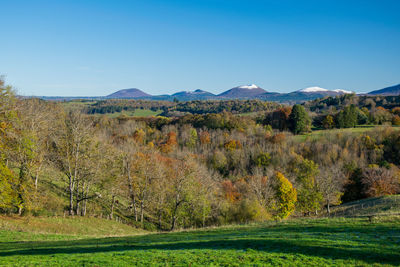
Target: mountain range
{"x": 251, "y": 91}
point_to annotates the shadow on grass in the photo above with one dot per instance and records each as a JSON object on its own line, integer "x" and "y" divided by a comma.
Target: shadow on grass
{"x": 262, "y": 239}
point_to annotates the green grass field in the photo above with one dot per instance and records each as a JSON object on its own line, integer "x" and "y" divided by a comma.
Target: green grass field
{"x": 317, "y": 134}
{"x": 305, "y": 242}
{"x": 136, "y": 113}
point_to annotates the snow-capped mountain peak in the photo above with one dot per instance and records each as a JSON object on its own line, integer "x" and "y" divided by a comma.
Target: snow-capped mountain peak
{"x": 343, "y": 91}
{"x": 250, "y": 86}
{"x": 313, "y": 89}
{"x": 316, "y": 89}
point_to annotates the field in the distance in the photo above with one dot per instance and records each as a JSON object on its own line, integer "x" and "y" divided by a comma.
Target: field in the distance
{"x": 306, "y": 242}
{"x": 136, "y": 113}
{"x": 361, "y": 129}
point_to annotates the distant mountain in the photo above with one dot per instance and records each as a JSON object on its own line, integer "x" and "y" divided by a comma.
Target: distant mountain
{"x": 251, "y": 91}
{"x": 129, "y": 93}
{"x": 195, "y": 95}
{"x": 244, "y": 91}
{"x": 319, "y": 90}
{"x": 309, "y": 93}
{"x": 392, "y": 90}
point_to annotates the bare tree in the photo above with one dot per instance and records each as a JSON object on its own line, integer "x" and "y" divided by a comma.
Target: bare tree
{"x": 70, "y": 144}
{"x": 380, "y": 181}
{"x": 330, "y": 183}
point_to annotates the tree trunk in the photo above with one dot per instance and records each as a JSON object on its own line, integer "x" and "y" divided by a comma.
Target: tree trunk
{"x": 20, "y": 210}
{"x": 204, "y": 217}
{"x": 328, "y": 208}
{"x": 173, "y": 223}
{"x": 36, "y": 179}
{"x": 112, "y": 207}
{"x": 131, "y": 193}
{"x": 20, "y": 188}
{"x": 71, "y": 201}
{"x": 71, "y": 196}
{"x": 85, "y": 201}
{"x": 141, "y": 212}
{"x": 159, "y": 220}
{"x": 77, "y": 200}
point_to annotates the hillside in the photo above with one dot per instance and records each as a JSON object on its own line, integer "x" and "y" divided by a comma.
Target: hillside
{"x": 378, "y": 206}
{"x": 392, "y": 90}
{"x": 129, "y": 93}
{"x": 311, "y": 242}
{"x": 244, "y": 91}
{"x": 195, "y": 95}
{"x": 73, "y": 227}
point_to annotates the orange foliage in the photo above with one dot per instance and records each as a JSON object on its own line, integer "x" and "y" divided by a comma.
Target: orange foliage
{"x": 396, "y": 111}
{"x": 170, "y": 144}
{"x": 230, "y": 191}
{"x": 278, "y": 138}
{"x": 233, "y": 145}
{"x": 139, "y": 136}
{"x": 396, "y": 120}
{"x": 205, "y": 138}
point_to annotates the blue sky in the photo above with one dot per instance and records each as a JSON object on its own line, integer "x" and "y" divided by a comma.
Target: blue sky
{"x": 93, "y": 48}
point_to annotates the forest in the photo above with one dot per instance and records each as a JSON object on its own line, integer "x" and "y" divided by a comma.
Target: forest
{"x": 198, "y": 164}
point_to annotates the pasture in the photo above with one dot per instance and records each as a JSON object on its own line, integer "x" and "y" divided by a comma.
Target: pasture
{"x": 299, "y": 242}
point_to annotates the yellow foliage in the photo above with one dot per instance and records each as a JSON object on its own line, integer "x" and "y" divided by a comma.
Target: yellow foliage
{"x": 286, "y": 196}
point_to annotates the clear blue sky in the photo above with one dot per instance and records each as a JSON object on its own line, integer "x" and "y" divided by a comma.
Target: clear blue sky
{"x": 93, "y": 48}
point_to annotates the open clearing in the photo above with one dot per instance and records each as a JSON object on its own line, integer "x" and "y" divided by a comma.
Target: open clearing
{"x": 305, "y": 242}
{"x": 136, "y": 113}
{"x": 317, "y": 134}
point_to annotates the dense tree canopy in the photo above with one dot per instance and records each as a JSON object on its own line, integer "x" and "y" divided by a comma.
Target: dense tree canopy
{"x": 198, "y": 168}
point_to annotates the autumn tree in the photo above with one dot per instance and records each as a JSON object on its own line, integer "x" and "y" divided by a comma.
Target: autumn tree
{"x": 328, "y": 122}
{"x": 308, "y": 198}
{"x": 70, "y": 147}
{"x": 286, "y": 196}
{"x": 380, "y": 181}
{"x": 16, "y": 152}
{"x": 330, "y": 183}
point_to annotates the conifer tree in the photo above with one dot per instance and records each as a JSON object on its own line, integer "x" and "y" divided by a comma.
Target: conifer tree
{"x": 299, "y": 120}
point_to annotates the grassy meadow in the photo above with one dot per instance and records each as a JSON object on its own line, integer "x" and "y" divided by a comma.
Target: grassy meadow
{"x": 299, "y": 242}
{"x": 317, "y": 134}
{"x": 136, "y": 113}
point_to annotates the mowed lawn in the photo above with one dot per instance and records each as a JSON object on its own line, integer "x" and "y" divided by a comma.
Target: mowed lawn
{"x": 311, "y": 242}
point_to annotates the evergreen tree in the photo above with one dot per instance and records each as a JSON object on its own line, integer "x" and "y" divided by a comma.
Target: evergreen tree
{"x": 299, "y": 120}
{"x": 347, "y": 118}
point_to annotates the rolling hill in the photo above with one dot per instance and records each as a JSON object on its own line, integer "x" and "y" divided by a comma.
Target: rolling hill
{"x": 193, "y": 95}
{"x": 251, "y": 91}
{"x": 392, "y": 90}
{"x": 129, "y": 93}
{"x": 244, "y": 91}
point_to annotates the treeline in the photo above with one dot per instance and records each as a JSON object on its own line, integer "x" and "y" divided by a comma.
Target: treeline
{"x": 177, "y": 109}
{"x": 189, "y": 171}
{"x": 347, "y": 117}
{"x": 119, "y": 105}
{"x": 350, "y": 110}
{"x": 338, "y": 102}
